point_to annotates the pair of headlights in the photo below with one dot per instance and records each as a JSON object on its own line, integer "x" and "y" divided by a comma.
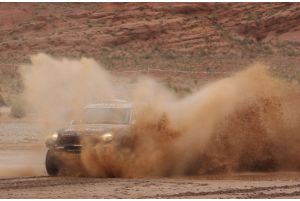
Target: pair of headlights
{"x": 107, "y": 137}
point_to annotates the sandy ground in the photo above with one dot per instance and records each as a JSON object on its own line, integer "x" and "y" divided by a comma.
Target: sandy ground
{"x": 22, "y": 175}
{"x": 230, "y": 187}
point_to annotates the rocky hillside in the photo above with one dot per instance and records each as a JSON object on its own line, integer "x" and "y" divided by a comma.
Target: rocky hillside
{"x": 190, "y": 36}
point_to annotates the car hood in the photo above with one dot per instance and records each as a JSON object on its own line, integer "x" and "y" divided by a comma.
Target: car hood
{"x": 93, "y": 128}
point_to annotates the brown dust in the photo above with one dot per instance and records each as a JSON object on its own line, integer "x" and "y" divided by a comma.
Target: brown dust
{"x": 246, "y": 122}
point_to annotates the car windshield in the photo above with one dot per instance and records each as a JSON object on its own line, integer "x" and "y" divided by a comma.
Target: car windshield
{"x": 107, "y": 115}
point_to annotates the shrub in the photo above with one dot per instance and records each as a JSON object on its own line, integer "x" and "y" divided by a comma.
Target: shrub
{"x": 2, "y": 102}
{"x": 18, "y": 109}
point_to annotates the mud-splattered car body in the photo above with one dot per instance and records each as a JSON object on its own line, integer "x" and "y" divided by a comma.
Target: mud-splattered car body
{"x": 103, "y": 123}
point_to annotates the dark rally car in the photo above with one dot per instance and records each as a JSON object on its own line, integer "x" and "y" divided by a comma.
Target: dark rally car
{"x": 106, "y": 122}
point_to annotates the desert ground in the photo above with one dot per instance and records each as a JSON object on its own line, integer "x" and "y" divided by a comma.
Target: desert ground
{"x": 23, "y": 175}
{"x": 252, "y": 186}
{"x": 183, "y": 45}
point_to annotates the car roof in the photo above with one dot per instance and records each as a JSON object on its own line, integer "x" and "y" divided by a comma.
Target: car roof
{"x": 110, "y": 104}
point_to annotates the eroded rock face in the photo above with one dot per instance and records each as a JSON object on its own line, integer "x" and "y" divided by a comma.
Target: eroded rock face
{"x": 173, "y": 26}
{"x": 158, "y": 35}
{"x": 278, "y": 24}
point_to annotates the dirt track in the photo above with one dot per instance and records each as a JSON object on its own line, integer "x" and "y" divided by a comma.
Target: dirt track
{"x": 247, "y": 186}
{"x": 21, "y": 156}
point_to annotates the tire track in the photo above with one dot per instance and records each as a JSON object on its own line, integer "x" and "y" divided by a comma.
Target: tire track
{"x": 80, "y": 187}
{"x": 44, "y": 181}
{"x": 274, "y": 195}
{"x": 229, "y": 191}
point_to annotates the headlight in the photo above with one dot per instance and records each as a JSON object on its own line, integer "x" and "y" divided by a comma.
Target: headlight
{"x": 51, "y": 140}
{"x": 54, "y": 136}
{"x": 107, "y": 137}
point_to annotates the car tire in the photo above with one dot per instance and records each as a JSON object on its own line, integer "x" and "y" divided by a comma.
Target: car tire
{"x": 52, "y": 163}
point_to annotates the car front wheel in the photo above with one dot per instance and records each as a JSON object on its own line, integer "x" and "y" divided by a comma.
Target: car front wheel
{"x": 52, "y": 163}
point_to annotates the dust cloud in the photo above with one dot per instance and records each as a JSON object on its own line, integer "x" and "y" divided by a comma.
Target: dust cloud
{"x": 246, "y": 122}
{"x": 57, "y": 89}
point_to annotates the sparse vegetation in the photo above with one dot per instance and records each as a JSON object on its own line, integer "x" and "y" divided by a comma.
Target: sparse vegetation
{"x": 18, "y": 108}
{"x": 168, "y": 55}
{"x": 2, "y": 102}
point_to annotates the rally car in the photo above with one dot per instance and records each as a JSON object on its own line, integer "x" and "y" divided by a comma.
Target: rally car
{"x": 104, "y": 123}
